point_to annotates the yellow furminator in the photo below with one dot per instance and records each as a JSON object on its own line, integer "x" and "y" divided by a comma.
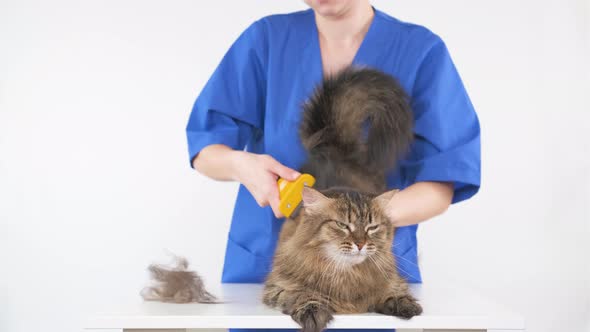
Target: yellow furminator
{"x": 290, "y": 193}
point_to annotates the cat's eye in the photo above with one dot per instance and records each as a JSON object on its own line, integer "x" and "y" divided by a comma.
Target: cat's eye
{"x": 372, "y": 228}
{"x": 341, "y": 224}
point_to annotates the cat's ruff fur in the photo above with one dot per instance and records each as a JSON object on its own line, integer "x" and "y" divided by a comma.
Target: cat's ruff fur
{"x": 354, "y": 128}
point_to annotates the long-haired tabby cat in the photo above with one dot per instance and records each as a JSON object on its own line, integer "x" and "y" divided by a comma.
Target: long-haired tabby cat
{"x": 334, "y": 255}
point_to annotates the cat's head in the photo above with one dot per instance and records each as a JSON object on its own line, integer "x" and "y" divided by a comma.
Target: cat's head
{"x": 347, "y": 227}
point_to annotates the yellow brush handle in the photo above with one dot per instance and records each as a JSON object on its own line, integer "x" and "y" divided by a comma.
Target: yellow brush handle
{"x": 290, "y": 192}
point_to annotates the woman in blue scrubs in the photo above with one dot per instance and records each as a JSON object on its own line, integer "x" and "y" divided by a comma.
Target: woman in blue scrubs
{"x": 244, "y": 124}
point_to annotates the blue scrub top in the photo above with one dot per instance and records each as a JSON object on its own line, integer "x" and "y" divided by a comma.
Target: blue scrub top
{"x": 253, "y": 101}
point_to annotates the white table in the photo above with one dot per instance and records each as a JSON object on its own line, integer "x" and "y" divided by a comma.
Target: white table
{"x": 446, "y": 308}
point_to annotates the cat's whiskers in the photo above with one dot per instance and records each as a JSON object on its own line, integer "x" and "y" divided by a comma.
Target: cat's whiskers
{"x": 386, "y": 260}
{"x": 372, "y": 259}
{"x": 407, "y": 260}
{"x": 396, "y": 266}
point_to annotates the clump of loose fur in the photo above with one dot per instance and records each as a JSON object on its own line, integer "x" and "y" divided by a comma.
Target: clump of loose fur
{"x": 176, "y": 284}
{"x": 334, "y": 256}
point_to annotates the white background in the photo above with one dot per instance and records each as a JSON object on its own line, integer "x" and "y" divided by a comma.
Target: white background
{"x": 95, "y": 179}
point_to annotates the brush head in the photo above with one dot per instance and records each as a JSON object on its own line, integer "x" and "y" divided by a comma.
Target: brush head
{"x": 290, "y": 193}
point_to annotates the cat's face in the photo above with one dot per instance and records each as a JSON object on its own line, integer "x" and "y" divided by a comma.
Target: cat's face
{"x": 347, "y": 227}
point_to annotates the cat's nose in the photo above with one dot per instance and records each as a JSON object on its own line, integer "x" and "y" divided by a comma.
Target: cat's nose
{"x": 360, "y": 245}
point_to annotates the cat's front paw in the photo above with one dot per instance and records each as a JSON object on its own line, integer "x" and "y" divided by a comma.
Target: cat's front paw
{"x": 404, "y": 307}
{"x": 271, "y": 295}
{"x": 312, "y": 316}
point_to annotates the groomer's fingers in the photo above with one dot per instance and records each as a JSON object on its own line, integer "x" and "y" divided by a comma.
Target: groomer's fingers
{"x": 277, "y": 212}
{"x": 274, "y": 202}
{"x": 282, "y": 170}
{"x": 261, "y": 201}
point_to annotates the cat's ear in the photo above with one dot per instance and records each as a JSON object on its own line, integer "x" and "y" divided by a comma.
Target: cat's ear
{"x": 384, "y": 198}
{"x": 313, "y": 198}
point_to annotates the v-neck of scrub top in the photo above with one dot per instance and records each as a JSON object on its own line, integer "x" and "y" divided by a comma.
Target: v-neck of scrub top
{"x": 365, "y": 54}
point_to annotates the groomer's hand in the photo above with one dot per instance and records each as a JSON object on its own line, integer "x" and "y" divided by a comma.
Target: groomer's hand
{"x": 259, "y": 174}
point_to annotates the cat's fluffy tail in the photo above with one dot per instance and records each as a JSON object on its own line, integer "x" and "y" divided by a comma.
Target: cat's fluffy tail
{"x": 360, "y": 117}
